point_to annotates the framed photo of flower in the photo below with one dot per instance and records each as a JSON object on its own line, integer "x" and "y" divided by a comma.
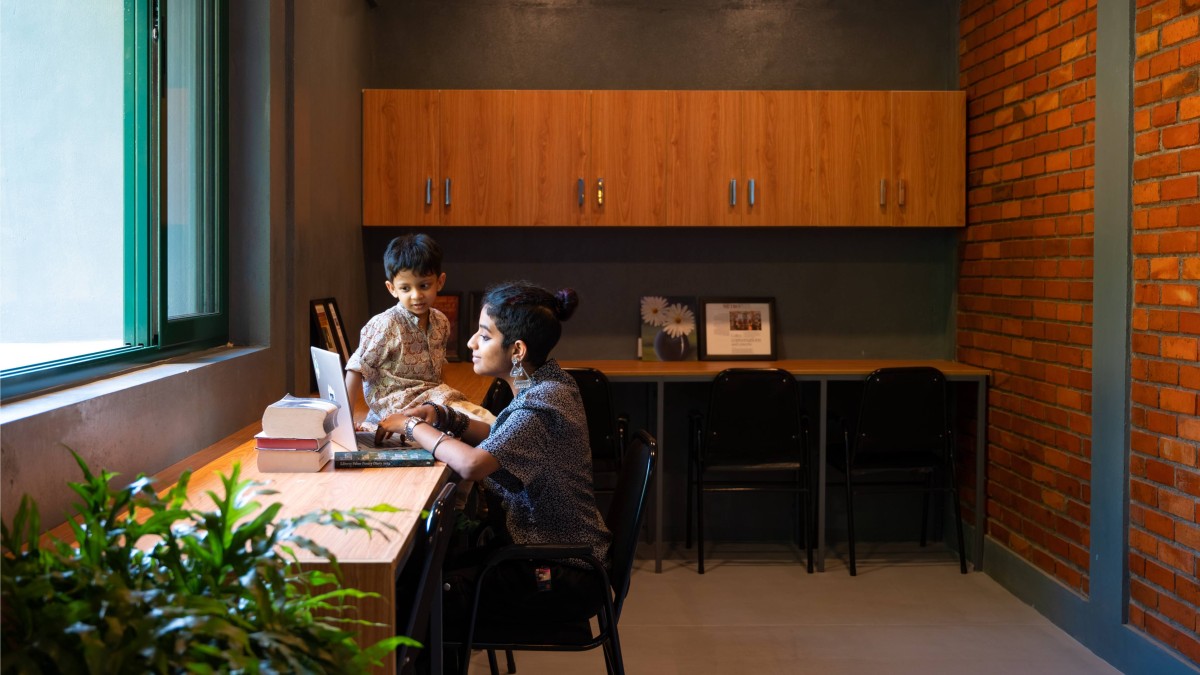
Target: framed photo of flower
{"x": 737, "y": 328}
{"x": 668, "y": 328}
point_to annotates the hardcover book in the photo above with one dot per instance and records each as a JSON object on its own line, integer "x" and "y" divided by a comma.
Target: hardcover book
{"x": 294, "y": 417}
{"x": 264, "y": 442}
{"x": 294, "y": 461}
{"x": 367, "y": 459}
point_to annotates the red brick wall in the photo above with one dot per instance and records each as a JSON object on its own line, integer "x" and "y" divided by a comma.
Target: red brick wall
{"x": 1025, "y": 282}
{"x": 1164, "y": 536}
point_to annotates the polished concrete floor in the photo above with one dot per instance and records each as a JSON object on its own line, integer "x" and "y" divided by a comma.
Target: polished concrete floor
{"x": 756, "y": 611}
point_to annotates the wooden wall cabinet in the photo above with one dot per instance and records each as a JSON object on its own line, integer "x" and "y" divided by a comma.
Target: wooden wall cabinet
{"x": 694, "y": 158}
{"x": 400, "y": 157}
{"x": 628, "y": 158}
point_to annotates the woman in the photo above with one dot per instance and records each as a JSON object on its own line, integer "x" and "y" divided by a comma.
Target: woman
{"x": 536, "y": 458}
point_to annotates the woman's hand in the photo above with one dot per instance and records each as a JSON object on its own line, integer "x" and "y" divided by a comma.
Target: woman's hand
{"x": 425, "y": 413}
{"x": 392, "y": 424}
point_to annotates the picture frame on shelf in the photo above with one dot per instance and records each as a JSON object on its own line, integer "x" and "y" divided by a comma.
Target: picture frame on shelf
{"x": 667, "y": 328}
{"x": 450, "y": 304}
{"x": 327, "y": 331}
{"x": 738, "y": 329}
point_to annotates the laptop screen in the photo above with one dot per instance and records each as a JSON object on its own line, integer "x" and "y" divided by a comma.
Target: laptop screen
{"x": 331, "y": 385}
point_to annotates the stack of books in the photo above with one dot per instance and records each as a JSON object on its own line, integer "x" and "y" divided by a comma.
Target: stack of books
{"x": 296, "y": 435}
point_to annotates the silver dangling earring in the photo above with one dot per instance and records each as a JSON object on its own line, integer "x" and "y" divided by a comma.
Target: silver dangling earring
{"x": 520, "y": 378}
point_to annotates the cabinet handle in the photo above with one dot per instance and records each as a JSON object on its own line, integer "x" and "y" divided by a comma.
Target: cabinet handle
{"x": 447, "y": 192}
{"x": 428, "y": 191}
{"x": 883, "y": 192}
{"x": 580, "y": 184}
{"x": 733, "y": 192}
{"x": 599, "y": 192}
{"x": 900, "y": 191}
{"x": 751, "y": 192}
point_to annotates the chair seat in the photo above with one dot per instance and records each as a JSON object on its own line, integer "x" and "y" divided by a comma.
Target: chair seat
{"x": 531, "y": 635}
{"x": 742, "y": 466}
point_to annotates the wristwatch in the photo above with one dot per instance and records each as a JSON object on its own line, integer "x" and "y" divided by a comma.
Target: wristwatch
{"x": 410, "y": 426}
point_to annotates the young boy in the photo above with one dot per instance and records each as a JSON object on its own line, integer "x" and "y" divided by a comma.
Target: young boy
{"x": 398, "y": 363}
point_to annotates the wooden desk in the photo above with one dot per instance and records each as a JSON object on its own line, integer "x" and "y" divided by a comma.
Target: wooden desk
{"x": 822, "y": 371}
{"x": 369, "y": 563}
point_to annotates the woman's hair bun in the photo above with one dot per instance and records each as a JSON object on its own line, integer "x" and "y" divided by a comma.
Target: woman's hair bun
{"x": 565, "y": 301}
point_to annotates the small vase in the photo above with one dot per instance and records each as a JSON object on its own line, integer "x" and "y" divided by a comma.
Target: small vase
{"x": 669, "y": 348}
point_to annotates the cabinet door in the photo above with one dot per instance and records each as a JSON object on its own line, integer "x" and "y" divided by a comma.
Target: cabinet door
{"x": 851, "y": 150}
{"x": 478, "y": 153}
{"x": 629, "y": 154}
{"x": 400, "y": 157}
{"x": 776, "y": 182}
{"x": 552, "y": 147}
{"x": 929, "y": 158}
{"x": 704, "y": 158}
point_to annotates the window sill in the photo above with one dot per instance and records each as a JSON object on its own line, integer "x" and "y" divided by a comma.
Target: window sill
{"x": 48, "y": 402}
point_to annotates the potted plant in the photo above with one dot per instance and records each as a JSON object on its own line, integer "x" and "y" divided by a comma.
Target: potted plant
{"x": 151, "y": 586}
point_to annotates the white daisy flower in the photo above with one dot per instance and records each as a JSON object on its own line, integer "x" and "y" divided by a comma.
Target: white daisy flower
{"x": 653, "y": 308}
{"x": 679, "y": 321}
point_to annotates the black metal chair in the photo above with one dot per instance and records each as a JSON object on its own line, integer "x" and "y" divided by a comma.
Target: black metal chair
{"x": 624, "y": 518}
{"x": 498, "y": 396}
{"x": 419, "y": 584}
{"x": 902, "y": 432}
{"x": 606, "y": 429}
{"x": 755, "y": 432}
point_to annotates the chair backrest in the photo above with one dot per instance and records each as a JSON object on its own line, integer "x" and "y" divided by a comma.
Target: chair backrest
{"x": 753, "y": 415}
{"x": 902, "y": 410}
{"x": 415, "y": 601}
{"x": 601, "y": 420}
{"x": 628, "y": 509}
{"x": 498, "y": 396}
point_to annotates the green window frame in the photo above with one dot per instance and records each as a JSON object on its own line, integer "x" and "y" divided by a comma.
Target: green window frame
{"x": 151, "y": 331}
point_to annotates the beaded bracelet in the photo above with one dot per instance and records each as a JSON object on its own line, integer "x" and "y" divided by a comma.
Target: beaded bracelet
{"x": 461, "y": 423}
{"x": 441, "y": 415}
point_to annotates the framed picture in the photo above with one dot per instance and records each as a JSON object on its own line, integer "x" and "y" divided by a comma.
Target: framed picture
{"x": 737, "y": 328}
{"x": 668, "y": 327}
{"x": 327, "y": 331}
{"x": 450, "y": 304}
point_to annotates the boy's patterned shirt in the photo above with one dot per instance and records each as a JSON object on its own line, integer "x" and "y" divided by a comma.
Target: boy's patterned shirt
{"x": 400, "y": 364}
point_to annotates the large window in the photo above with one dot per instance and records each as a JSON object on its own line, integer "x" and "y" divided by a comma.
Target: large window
{"x": 112, "y": 186}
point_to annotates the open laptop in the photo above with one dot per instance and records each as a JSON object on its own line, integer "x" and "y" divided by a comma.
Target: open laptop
{"x": 331, "y": 384}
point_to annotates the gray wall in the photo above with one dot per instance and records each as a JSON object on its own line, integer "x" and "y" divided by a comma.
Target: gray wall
{"x": 331, "y": 60}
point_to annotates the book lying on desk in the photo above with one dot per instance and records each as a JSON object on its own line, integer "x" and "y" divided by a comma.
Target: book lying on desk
{"x": 368, "y": 459}
{"x": 264, "y": 442}
{"x": 293, "y": 417}
{"x": 294, "y": 461}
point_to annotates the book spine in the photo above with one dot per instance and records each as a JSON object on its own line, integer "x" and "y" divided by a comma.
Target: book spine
{"x": 377, "y": 463}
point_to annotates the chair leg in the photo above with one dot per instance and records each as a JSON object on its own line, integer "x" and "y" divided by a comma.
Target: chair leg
{"x": 806, "y": 510}
{"x": 492, "y": 662}
{"x": 691, "y": 484}
{"x": 700, "y": 518}
{"x": 850, "y": 511}
{"x": 511, "y": 662}
{"x": 925, "y": 510}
